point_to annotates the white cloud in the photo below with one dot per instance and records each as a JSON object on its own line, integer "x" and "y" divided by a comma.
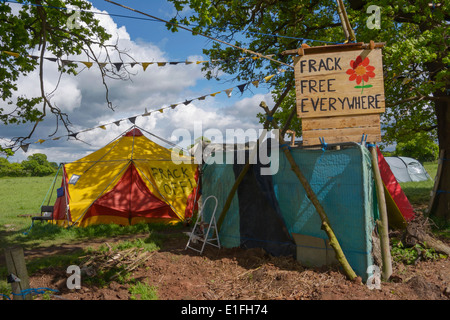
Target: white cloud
{"x": 83, "y": 98}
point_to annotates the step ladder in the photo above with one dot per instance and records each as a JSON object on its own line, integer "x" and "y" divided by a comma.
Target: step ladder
{"x": 201, "y": 231}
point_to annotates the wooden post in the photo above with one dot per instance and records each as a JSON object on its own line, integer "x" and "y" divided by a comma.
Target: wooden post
{"x": 242, "y": 174}
{"x": 383, "y": 225}
{"x": 334, "y": 243}
{"x": 15, "y": 264}
{"x": 436, "y": 181}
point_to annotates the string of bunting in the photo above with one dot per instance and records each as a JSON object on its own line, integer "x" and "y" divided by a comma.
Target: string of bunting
{"x": 119, "y": 65}
{"x": 228, "y": 92}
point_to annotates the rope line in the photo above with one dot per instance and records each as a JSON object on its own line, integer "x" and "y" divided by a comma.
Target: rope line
{"x": 201, "y": 34}
{"x": 156, "y": 20}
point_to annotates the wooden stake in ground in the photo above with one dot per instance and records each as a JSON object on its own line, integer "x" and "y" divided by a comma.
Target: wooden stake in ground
{"x": 17, "y": 272}
{"x": 383, "y": 226}
{"x": 334, "y": 243}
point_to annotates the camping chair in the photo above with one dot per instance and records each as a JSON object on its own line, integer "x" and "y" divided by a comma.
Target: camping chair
{"x": 46, "y": 214}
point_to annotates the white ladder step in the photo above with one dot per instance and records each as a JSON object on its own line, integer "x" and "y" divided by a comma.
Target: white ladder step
{"x": 204, "y": 237}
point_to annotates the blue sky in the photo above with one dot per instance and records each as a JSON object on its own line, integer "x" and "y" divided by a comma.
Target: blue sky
{"x": 83, "y": 96}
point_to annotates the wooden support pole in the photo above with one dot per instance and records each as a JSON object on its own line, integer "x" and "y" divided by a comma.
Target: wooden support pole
{"x": 334, "y": 243}
{"x": 383, "y": 225}
{"x": 244, "y": 171}
{"x": 348, "y": 31}
{"x": 15, "y": 264}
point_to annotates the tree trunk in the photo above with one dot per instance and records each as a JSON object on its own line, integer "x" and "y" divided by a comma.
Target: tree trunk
{"x": 442, "y": 109}
{"x": 442, "y": 203}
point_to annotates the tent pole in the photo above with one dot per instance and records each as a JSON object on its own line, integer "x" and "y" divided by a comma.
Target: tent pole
{"x": 334, "y": 243}
{"x": 383, "y": 226}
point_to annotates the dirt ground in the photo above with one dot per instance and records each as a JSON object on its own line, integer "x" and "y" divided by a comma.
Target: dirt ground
{"x": 239, "y": 274}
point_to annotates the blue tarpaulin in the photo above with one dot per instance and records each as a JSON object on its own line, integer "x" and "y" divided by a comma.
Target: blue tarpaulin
{"x": 267, "y": 210}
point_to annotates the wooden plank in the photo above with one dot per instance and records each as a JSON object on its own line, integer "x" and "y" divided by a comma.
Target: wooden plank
{"x": 334, "y": 48}
{"x": 372, "y": 120}
{"x": 342, "y": 132}
{"x": 309, "y": 141}
{"x": 339, "y": 135}
{"x": 333, "y": 84}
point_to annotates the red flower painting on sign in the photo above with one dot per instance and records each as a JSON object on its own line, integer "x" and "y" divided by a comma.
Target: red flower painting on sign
{"x": 361, "y": 71}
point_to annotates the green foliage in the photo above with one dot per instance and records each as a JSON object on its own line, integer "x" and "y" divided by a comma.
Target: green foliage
{"x": 40, "y": 27}
{"x": 420, "y": 146}
{"x": 11, "y": 169}
{"x": 35, "y": 166}
{"x": 414, "y": 56}
{"x": 409, "y": 255}
{"x": 143, "y": 291}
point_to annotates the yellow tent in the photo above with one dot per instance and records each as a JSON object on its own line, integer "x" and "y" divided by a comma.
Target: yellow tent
{"x": 130, "y": 180}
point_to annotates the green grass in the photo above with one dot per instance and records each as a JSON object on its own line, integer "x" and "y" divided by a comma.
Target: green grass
{"x": 22, "y": 196}
{"x": 418, "y": 193}
{"x": 143, "y": 291}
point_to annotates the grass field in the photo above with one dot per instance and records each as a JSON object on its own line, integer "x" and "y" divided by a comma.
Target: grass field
{"x": 418, "y": 193}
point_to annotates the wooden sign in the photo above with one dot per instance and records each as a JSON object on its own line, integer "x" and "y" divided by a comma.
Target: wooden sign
{"x": 340, "y": 95}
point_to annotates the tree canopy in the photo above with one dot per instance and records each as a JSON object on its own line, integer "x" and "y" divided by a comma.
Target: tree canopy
{"x": 36, "y": 29}
{"x": 36, "y": 165}
{"x": 415, "y": 54}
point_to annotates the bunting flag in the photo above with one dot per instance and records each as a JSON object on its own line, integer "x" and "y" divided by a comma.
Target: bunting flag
{"x": 87, "y": 64}
{"x": 119, "y": 65}
{"x": 24, "y": 147}
{"x": 146, "y": 64}
{"x": 241, "y": 87}
{"x": 186, "y": 102}
{"x": 146, "y": 113}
